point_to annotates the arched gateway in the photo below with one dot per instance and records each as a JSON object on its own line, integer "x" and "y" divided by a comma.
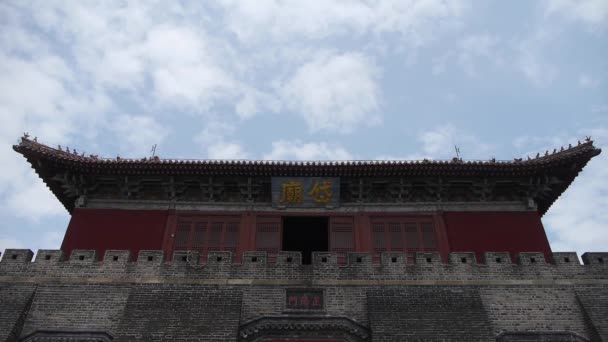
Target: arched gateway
{"x": 304, "y": 329}
{"x": 333, "y": 251}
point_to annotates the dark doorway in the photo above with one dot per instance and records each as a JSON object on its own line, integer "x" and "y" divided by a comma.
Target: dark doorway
{"x": 306, "y": 235}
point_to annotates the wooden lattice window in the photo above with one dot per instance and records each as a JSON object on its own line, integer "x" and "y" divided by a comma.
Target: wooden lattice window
{"x": 268, "y": 236}
{"x": 341, "y": 237}
{"x": 403, "y": 234}
{"x": 206, "y": 234}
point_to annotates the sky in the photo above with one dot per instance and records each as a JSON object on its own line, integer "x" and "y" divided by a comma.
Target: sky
{"x": 303, "y": 80}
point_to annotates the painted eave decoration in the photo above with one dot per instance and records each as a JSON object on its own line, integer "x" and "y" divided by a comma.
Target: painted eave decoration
{"x": 564, "y": 162}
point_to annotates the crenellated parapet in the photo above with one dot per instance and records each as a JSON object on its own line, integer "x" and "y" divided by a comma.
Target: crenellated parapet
{"x": 184, "y": 266}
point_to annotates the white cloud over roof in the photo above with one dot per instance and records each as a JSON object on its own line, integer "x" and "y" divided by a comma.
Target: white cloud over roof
{"x": 302, "y": 80}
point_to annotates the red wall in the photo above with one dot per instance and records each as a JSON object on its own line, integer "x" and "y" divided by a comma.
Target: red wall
{"x": 510, "y": 231}
{"x": 102, "y": 229}
{"x": 135, "y": 230}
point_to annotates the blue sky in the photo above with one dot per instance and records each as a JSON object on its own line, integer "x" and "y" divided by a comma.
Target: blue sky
{"x": 264, "y": 79}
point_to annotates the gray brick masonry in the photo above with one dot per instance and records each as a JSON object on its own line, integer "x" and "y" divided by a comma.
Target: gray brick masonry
{"x": 428, "y": 313}
{"x": 15, "y": 301}
{"x": 593, "y": 300}
{"x": 146, "y": 298}
{"x": 161, "y": 312}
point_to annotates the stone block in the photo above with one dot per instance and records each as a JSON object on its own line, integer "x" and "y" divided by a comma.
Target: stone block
{"x": 117, "y": 256}
{"x": 49, "y": 256}
{"x": 17, "y": 256}
{"x": 150, "y": 258}
{"x": 219, "y": 258}
{"x": 83, "y": 256}
{"x": 531, "y": 258}
{"x": 392, "y": 259}
{"x": 186, "y": 258}
{"x": 289, "y": 258}
{"x": 357, "y": 259}
{"x": 497, "y": 258}
{"x": 428, "y": 258}
{"x": 462, "y": 258}
{"x": 565, "y": 259}
{"x": 254, "y": 258}
{"x": 324, "y": 259}
{"x": 591, "y": 258}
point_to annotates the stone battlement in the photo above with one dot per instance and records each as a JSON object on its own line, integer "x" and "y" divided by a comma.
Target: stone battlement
{"x": 184, "y": 267}
{"x": 148, "y": 298}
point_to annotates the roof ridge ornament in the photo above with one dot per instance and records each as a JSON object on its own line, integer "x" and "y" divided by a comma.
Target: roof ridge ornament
{"x": 33, "y": 144}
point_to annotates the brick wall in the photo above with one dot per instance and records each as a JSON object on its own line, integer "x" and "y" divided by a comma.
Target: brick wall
{"x": 15, "y": 299}
{"x": 76, "y": 307}
{"x": 433, "y": 313}
{"x": 593, "y": 300}
{"x": 149, "y": 299}
{"x": 533, "y": 308}
{"x": 161, "y": 312}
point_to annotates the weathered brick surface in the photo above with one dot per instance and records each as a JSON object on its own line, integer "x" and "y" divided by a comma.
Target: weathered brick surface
{"x": 15, "y": 300}
{"x": 533, "y": 308}
{"x": 534, "y": 336}
{"x": 594, "y": 301}
{"x": 76, "y": 306}
{"x": 160, "y": 312}
{"x": 428, "y": 313}
{"x": 340, "y": 301}
{"x": 149, "y": 299}
{"x": 219, "y": 266}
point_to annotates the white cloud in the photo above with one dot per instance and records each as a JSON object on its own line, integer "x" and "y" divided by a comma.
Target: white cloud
{"x": 440, "y": 64}
{"x": 532, "y": 61}
{"x": 476, "y": 47}
{"x": 246, "y": 107}
{"x": 592, "y": 12}
{"x": 215, "y": 130}
{"x": 215, "y": 137}
{"x": 541, "y": 143}
{"x": 588, "y": 81}
{"x": 603, "y": 108}
{"x": 184, "y": 69}
{"x": 139, "y": 133}
{"x": 134, "y": 46}
{"x": 415, "y": 20}
{"x": 226, "y": 150}
{"x": 335, "y": 92}
{"x": 65, "y": 71}
{"x": 470, "y": 54}
{"x": 51, "y": 240}
{"x": 577, "y": 221}
{"x": 298, "y": 150}
{"x": 440, "y": 143}
{"x": 33, "y": 200}
{"x": 39, "y": 93}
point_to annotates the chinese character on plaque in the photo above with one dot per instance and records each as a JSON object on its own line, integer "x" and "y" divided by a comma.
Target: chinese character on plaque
{"x": 321, "y": 192}
{"x": 304, "y": 299}
{"x": 305, "y": 192}
{"x": 292, "y": 193}
{"x": 292, "y": 301}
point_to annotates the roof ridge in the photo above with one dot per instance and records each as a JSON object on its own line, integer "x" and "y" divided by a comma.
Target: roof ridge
{"x": 26, "y": 142}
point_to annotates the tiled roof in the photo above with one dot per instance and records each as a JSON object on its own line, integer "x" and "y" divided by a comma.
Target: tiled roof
{"x": 581, "y": 153}
{"x": 565, "y": 164}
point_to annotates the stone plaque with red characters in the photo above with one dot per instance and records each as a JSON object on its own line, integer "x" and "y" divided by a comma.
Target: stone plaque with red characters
{"x": 304, "y": 299}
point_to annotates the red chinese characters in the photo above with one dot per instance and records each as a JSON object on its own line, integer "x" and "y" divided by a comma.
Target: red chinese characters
{"x": 304, "y": 300}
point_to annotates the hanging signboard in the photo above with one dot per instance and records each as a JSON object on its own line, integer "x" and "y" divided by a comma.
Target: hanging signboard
{"x": 305, "y": 192}
{"x": 304, "y": 299}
